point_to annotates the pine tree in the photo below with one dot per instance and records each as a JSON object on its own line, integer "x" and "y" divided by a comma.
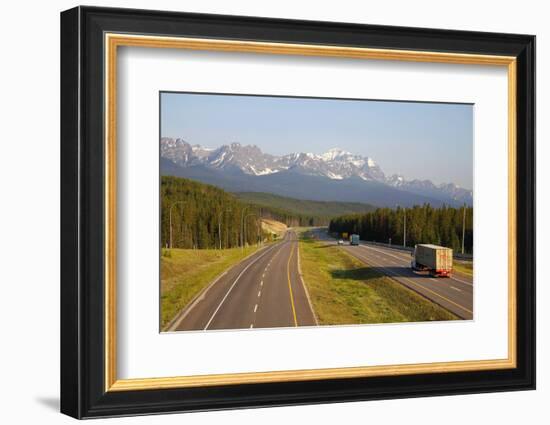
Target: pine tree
{"x": 425, "y": 224}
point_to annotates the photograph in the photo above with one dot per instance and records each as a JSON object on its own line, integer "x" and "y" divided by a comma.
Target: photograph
{"x": 282, "y": 212}
{"x": 279, "y": 210}
{"x": 264, "y": 209}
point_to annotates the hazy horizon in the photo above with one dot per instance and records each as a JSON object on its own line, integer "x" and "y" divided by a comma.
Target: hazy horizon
{"x": 418, "y": 140}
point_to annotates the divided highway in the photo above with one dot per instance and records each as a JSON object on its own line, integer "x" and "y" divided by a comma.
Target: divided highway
{"x": 454, "y": 294}
{"x": 263, "y": 291}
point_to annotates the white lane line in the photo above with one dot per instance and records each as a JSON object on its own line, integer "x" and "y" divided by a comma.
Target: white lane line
{"x": 456, "y": 289}
{"x": 263, "y": 275}
{"x": 462, "y": 281}
{"x": 373, "y": 263}
{"x": 251, "y": 325}
{"x": 384, "y": 253}
{"x": 402, "y": 259}
{"x": 255, "y": 308}
{"x": 262, "y": 283}
{"x": 233, "y": 285}
{"x": 304, "y": 286}
{"x": 259, "y": 293}
{"x": 199, "y": 298}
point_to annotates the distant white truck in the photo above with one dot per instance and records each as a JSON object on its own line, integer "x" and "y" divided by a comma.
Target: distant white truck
{"x": 354, "y": 239}
{"x": 438, "y": 260}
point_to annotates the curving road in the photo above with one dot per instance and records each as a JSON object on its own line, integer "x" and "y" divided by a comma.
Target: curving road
{"x": 455, "y": 294}
{"x": 264, "y": 290}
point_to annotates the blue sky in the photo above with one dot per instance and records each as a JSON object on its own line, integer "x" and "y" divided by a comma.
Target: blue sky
{"x": 419, "y": 140}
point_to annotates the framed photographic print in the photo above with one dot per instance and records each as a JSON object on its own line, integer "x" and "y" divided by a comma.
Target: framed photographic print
{"x": 261, "y": 212}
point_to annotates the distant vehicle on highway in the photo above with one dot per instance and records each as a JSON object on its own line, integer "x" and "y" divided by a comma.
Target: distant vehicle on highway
{"x": 354, "y": 239}
{"x": 341, "y": 242}
{"x": 438, "y": 260}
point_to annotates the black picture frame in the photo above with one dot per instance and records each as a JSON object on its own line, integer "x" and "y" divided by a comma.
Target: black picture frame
{"x": 82, "y": 212}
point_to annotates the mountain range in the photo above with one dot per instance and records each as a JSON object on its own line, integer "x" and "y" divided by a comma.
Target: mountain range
{"x": 336, "y": 175}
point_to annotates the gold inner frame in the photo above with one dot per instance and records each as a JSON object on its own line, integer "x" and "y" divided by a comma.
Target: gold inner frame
{"x": 113, "y": 41}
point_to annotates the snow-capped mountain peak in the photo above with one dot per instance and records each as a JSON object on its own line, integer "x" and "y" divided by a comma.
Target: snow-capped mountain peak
{"x": 333, "y": 154}
{"x": 335, "y": 164}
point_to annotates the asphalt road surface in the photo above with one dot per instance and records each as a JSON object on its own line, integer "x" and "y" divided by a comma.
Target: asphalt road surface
{"x": 455, "y": 294}
{"x": 262, "y": 291}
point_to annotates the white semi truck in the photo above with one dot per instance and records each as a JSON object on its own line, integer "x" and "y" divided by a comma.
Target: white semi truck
{"x": 438, "y": 260}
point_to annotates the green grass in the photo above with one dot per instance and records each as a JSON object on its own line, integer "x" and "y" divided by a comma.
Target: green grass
{"x": 345, "y": 291}
{"x": 185, "y": 272}
{"x": 464, "y": 267}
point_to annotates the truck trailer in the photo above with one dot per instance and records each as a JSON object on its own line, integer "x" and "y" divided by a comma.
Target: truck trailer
{"x": 354, "y": 239}
{"x": 438, "y": 260}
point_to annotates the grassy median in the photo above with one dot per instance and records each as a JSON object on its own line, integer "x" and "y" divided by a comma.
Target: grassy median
{"x": 343, "y": 290}
{"x": 464, "y": 267}
{"x": 185, "y": 272}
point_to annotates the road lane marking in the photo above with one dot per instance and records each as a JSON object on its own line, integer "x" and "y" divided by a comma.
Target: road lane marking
{"x": 421, "y": 286}
{"x": 262, "y": 283}
{"x": 462, "y": 281}
{"x": 251, "y": 325}
{"x": 183, "y": 314}
{"x": 259, "y": 293}
{"x": 176, "y": 321}
{"x": 255, "y": 308}
{"x": 304, "y": 285}
{"x": 406, "y": 261}
{"x": 233, "y": 285}
{"x": 385, "y": 253}
{"x": 290, "y": 286}
{"x": 456, "y": 289}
